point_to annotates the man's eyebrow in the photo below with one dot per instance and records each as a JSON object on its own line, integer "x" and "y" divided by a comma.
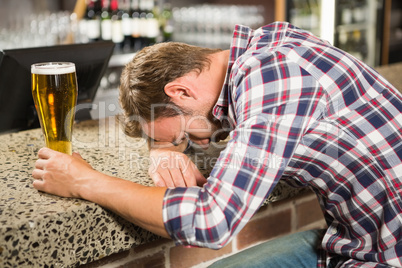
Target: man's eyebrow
{"x": 152, "y": 139}
{"x": 186, "y": 136}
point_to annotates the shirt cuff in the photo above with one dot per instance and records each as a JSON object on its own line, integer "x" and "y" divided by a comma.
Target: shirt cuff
{"x": 179, "y": 206}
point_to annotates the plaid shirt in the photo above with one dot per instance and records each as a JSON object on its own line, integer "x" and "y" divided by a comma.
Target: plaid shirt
{"x": 305, "y": 112}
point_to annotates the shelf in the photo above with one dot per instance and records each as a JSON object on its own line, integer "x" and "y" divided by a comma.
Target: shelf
{"x": 353, "y": 27}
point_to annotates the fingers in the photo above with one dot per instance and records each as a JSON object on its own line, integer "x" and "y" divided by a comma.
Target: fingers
{"x": 38, "y": 174}
{"x": 47, "y": 157}
{"x": 39, "y": 185}
{"x": 158, "y": 180}
{"x": 46, "y": 153}
{"x": 173, "y": 177}
{"x": 173, "y": 169}
{"x": 177, "y": 177}
{"x": 200, "y": 180}
{"x": 162, "y": 178}
{"x": 45, "y": 182}
{"x": 40, "y": 164}
{"x": 189, "y": 176}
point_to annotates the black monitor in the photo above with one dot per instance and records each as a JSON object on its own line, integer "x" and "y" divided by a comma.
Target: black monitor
{"x": 17, "y": 111}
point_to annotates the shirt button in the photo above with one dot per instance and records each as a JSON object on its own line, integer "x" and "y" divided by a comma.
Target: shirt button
{"x": 334, "y": 231}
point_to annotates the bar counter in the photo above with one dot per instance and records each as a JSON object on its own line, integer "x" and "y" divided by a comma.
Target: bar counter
{"x": 392, "y": 73}
{"x": 42, "y": 230}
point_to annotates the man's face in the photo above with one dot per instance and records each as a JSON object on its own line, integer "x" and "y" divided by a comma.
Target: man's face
{"x": 198, "y": 128}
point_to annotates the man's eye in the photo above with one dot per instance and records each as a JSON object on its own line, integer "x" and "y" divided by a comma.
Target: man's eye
{"x": 177, "y": 142}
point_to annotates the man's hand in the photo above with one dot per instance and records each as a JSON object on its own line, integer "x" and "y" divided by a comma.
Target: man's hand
{"x": 169, "y": 168}
{"x": 61, "y": 174}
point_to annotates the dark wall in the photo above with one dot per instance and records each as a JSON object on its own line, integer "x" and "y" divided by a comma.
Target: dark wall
{"x": 395, "y": 42}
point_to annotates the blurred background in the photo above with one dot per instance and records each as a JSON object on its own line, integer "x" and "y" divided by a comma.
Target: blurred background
{"x": 371, "y": 30}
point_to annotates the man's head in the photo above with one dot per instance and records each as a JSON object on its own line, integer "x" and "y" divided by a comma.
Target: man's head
{"x": 142, "y": 90}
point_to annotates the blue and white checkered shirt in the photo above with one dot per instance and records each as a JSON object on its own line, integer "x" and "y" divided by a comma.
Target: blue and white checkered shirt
{"x": 308, "y": 113}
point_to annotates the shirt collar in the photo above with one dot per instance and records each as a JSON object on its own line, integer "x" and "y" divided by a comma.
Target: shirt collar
{"x": 240, "y": 41}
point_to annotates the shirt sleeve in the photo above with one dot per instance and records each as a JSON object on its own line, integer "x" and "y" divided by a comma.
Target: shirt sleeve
{"x": 273, "y": 107}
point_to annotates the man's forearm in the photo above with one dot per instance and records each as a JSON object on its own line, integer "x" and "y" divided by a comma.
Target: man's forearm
{"x": 71, "y": 176}
{"x": 139, "y": 204}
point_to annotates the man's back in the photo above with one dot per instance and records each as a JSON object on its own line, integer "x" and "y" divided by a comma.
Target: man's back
{"x": 337, "y": 121}
{"x": 351, "y": 151}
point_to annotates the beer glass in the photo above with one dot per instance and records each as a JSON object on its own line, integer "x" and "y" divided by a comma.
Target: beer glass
{"x": 54, "y": 90}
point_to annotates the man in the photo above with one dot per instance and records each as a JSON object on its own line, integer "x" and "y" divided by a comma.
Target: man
{"x": 296, "y": 109}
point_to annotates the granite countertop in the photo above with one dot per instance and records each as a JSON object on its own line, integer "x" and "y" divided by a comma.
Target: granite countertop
{"x": 393, "y": 73}
{"x": 38, "y": 229}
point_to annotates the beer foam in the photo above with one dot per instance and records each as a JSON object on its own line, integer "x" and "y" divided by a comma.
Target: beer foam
{"x": 53, "y": 68}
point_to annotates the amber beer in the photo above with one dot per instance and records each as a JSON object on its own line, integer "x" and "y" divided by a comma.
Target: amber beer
{"x": 54, "y": 90}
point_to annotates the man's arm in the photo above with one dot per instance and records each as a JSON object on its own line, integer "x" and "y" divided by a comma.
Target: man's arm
{"x": 71, "y": 176}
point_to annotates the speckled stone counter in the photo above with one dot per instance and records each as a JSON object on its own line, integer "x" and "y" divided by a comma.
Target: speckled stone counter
{"x": 41, "y": 230}
{"x": 393, "y": 73}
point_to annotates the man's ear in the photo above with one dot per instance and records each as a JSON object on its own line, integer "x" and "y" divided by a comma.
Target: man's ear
{"x": 178, "y": 91}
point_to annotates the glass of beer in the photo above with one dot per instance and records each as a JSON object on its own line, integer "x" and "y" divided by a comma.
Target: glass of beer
{"x": 55, "y": 90}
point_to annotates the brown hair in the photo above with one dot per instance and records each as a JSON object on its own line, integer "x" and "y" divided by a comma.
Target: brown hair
{"x": 143, "y": 81}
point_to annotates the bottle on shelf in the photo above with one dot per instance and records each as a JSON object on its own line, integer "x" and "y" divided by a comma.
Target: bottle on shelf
{"x": 117, "y": 30}
{"x": 92, "y": 20}
{"x": 106, "y": 22}
{"x": 143, "y": 28}
{"x": 149, "y": 22}
{"x": 126, "y": 25}
{"x": 166, "y": 22}
{"x": 135, "y": 25}
{"x": 130, "y": 24}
